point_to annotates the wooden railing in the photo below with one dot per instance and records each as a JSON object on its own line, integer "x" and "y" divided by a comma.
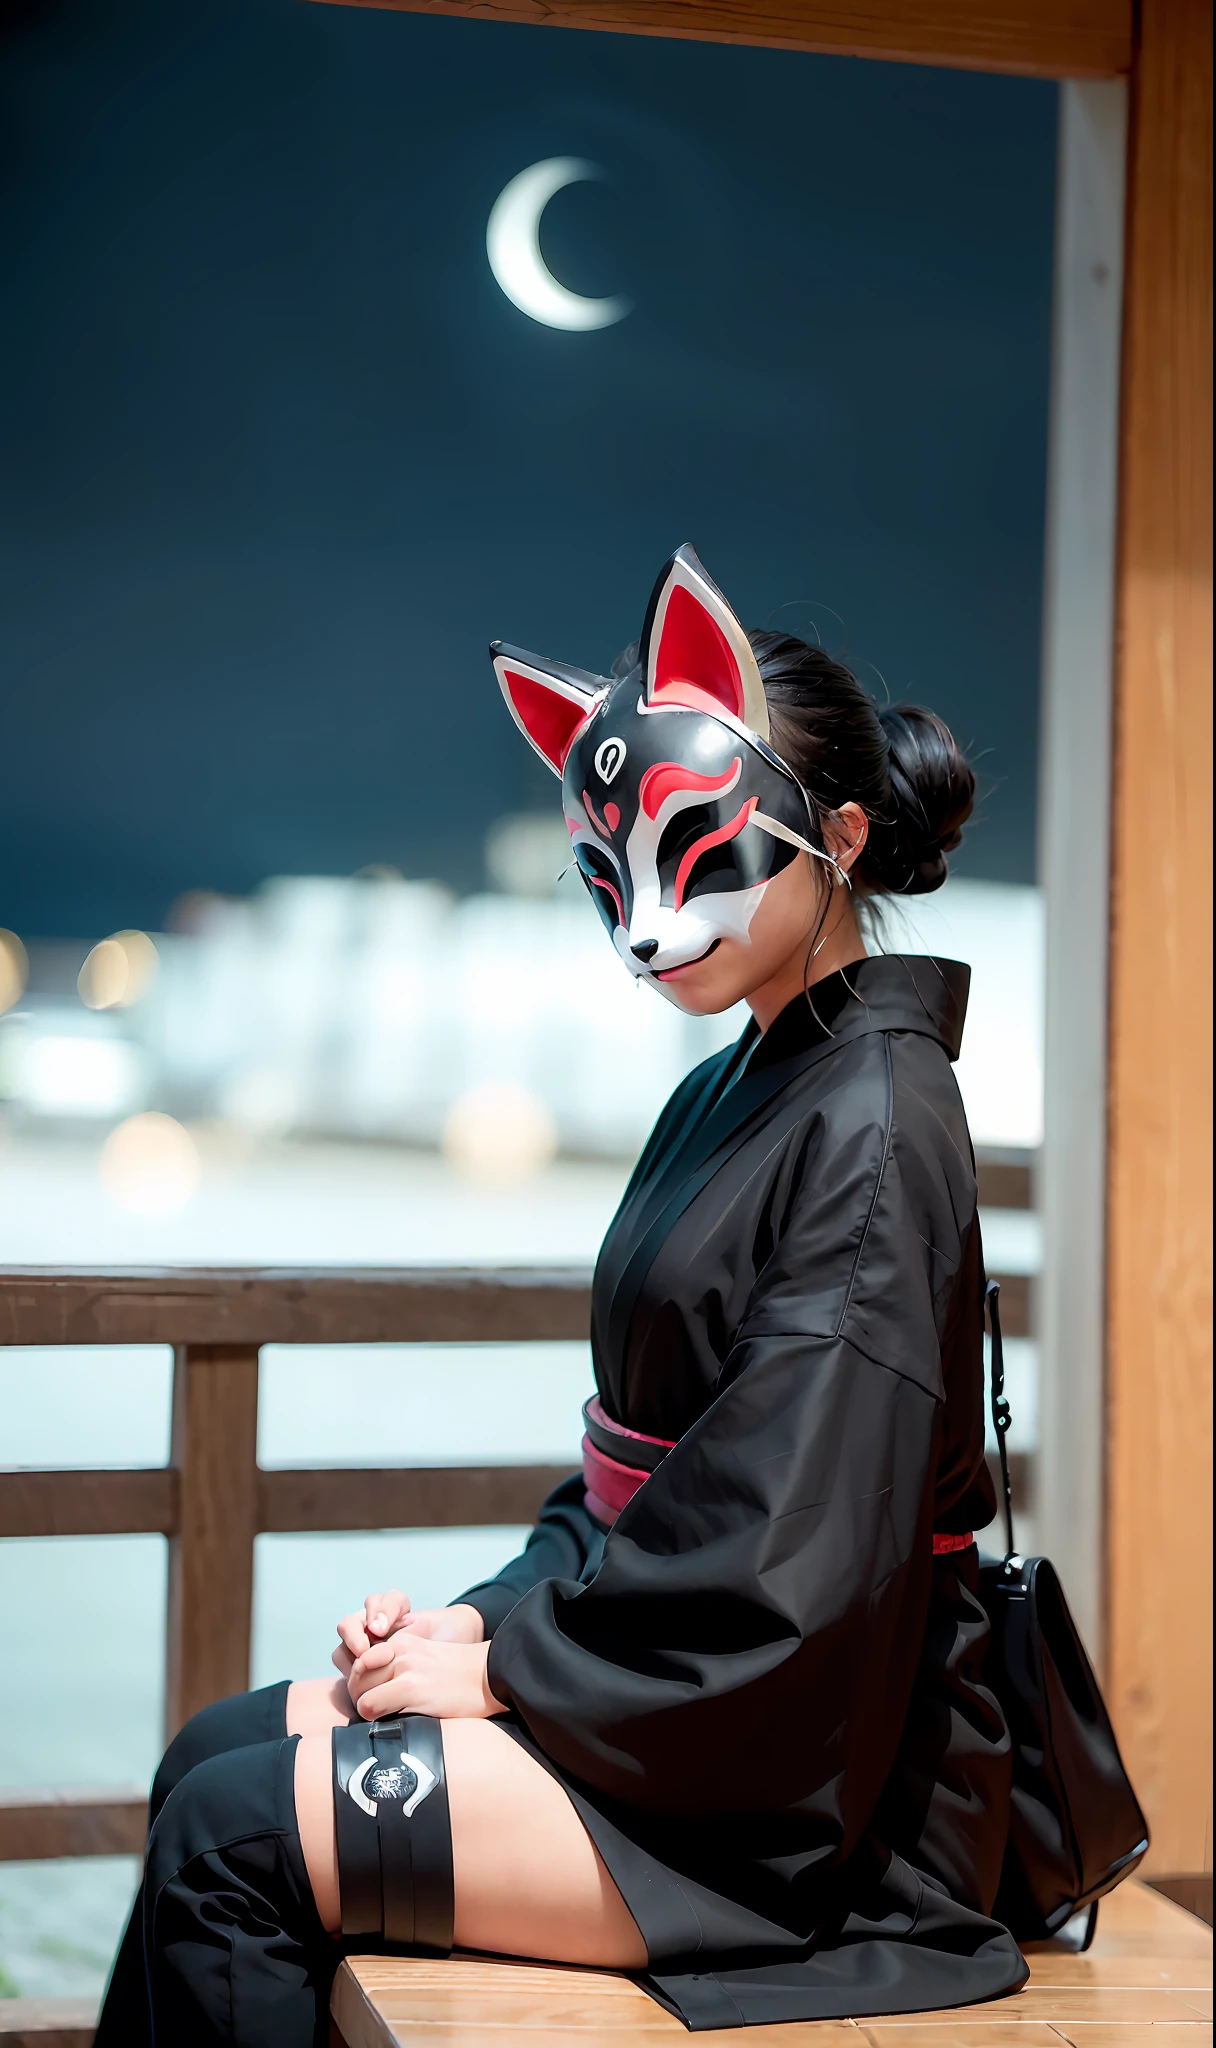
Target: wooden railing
{"x": 213, "y": 1499}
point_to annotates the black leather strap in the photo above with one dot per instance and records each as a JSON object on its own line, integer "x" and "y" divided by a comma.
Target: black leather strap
{"x": 1001, "y": 1417}
{"x": 394, "y": 1865}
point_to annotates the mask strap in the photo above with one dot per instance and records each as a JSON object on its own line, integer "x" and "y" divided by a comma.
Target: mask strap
{"x": 776, "y": 830}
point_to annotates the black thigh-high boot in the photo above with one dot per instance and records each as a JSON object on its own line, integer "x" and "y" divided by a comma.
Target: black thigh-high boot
{"x": 126, "y": 2020}
{"x": 236, "y": 1953}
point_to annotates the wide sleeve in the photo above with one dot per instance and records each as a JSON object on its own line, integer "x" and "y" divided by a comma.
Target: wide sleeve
{"x": 565, "y": 1544}
{"x": 750, "y": 1641}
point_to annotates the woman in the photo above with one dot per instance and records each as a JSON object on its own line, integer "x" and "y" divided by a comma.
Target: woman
{"x": 723, "y": 1722}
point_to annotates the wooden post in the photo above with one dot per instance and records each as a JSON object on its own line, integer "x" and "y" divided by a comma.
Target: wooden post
{"x": 214, "y": 1452}
{"x": 1159, "y": 1559}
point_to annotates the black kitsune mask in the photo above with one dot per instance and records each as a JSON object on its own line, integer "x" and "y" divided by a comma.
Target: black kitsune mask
{"x": 679, "y": 810}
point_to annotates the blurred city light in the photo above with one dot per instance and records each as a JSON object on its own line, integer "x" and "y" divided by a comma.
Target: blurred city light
{"x": 499, "y": 1133}
{"x": 118, "y": 971}
{"x": 14, "y": 970}
{"x": 150, "y": 1165}
{"x": 60, "y": 1073}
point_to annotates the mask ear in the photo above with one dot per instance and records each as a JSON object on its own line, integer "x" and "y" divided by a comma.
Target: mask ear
{"x": 548, "y": 701}
{"x": 697, "y": 655}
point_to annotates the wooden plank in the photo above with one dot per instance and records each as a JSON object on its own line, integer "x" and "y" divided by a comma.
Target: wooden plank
{"x": 378, "y": 2003}
{"x": 1127, "y": 1973}
{"x": 1056, "y": 2006}
{"x": 975, "y": 2031}
{"x": 1121, "y": 2034}
{"x": 298, "y": 1500}
{"x": 47, "y": 2022}
{"x": 968, "y": 2029}
{"x": 1006, "y": 1177}
{"x": 1159, "y": 1385}
{"x": 192, "y": 1305}
{"x": 419, "y": 1497}
{"x": 214, "y": 1452}
{"x": 36, "y": 1824}
{"x": 1042, "y": 38}
{"x": 384, "y": 2000}
{"x": 439, "y": 1496}
{"x": 245, "y": 1305}
{"x": 138, "y": 1503}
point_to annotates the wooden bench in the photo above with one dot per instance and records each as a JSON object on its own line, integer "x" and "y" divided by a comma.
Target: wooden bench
{"x": 1146, "y": 1983}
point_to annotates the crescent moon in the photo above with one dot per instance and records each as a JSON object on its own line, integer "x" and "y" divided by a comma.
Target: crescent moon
{"x": 513, "y": 247}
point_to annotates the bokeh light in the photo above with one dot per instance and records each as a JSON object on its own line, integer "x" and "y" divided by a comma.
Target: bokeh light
{"x": 149, "y": 1165}
{"x": 118, "y": 971}
{"x": 14, "y": 970}
{"x": 499, "y": 1133}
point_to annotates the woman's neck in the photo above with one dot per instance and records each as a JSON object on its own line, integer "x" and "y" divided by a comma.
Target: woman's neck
{"x": 839, "y": 944}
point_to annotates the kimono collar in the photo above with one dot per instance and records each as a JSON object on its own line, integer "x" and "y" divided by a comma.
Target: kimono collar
{"x": 891, "y": 991}
{"x": 887, "y": 992}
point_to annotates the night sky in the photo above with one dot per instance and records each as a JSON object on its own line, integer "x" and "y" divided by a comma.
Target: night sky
{"x": 279, "y": 457}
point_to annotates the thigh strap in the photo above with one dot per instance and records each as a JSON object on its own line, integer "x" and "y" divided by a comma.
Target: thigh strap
{"x": 393, "y": 1831}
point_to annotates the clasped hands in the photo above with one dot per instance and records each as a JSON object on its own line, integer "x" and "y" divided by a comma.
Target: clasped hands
{"x": 398, "y": 1661}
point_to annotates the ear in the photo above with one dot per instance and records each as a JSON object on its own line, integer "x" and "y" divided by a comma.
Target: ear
{"x": 697, "y": 655}
{"x": 549, "y": 702}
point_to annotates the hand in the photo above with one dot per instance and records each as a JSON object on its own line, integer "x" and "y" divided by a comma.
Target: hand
{"x": 417, "y": 1674}
{"x": 385, "y": 1613}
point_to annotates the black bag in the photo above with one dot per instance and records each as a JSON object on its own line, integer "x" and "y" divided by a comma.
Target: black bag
{"x": 1075, "y": 1827}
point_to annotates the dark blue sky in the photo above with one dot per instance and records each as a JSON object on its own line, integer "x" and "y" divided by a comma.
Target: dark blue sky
{"x": 279, "y": 457}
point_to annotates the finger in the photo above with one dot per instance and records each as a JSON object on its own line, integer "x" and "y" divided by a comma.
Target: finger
{"x": 396, "y": 1697}
{"x": 375, "y": 1658}
{"x": 342, "y": 1660}
{"x": 383, "y": 1611}
{"x": 353, "y": 1634}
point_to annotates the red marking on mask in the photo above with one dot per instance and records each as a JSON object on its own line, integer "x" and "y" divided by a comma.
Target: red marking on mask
{"x": 599, "y": 824}
{"x": 613, "y": 816}
{"x": 700, "y": 846}
{"x": 695, "y": 666}
{"x": 665, "y": 777}
{"x": 608, "y": 889}
{"x": 551, "y": 720}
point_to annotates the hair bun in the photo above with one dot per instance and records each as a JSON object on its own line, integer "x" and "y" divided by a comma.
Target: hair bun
{"x": 933, "y": 790}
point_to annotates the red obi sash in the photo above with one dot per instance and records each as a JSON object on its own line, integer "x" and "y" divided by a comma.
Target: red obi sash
{"x": 617, "y": 1461}
{"x": 612, "y": 1480}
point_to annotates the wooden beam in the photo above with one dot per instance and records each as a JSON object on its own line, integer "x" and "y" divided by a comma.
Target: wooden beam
{"x": 243, "y": 1305}
{"x": 140, "y": 1503}
{"x": 292, "y": 1501}
{"x": 1159, "y": 1383}
{"x": 1040, "y": 38}
{"x": 48, "y": 2022}
{"x": 425, "y": 1497}
{"x": 36, "y": 1824}
{"x": 1005, "y": 1178}
{"x": 443, "y": 1306}
{"x": 214, "y": 1454}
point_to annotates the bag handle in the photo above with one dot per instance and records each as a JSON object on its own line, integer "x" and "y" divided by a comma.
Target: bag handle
{"x": 1001, "y": 1417}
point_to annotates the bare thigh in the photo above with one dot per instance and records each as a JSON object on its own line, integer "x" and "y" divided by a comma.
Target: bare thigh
{"x": 315, "y": 1705}
{"x": 529, "y": 1879}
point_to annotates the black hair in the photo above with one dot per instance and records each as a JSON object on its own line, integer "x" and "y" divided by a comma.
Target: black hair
{"x": 903, "y": 765}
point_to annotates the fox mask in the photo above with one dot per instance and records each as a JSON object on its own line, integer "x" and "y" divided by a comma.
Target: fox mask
{"x": 679, "y": 810}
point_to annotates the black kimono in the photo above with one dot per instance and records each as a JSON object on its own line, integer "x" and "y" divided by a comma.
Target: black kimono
{"x": 762, "y": 1690}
